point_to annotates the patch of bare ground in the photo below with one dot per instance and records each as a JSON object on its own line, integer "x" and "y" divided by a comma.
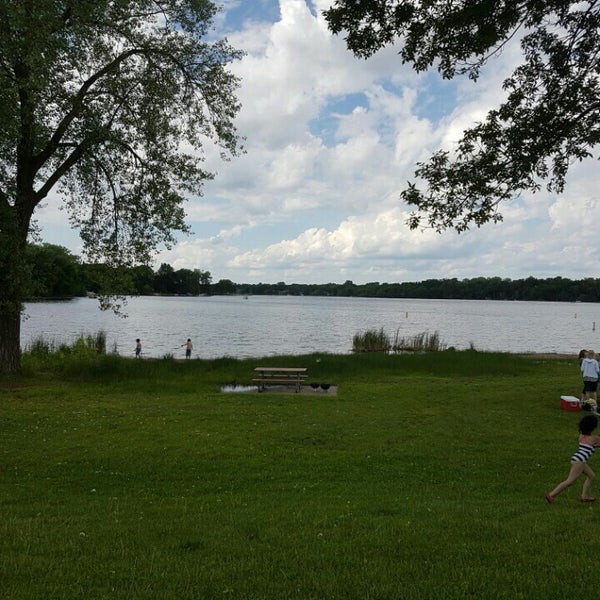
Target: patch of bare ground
{"x": 548, "y": 356}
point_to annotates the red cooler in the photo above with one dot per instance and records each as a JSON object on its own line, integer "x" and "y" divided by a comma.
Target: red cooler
{"x": 570, "y": 403}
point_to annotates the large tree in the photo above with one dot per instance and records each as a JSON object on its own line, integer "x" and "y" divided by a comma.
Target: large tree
{"x": 551, "y": 115}
{"x": 108, "y": 105}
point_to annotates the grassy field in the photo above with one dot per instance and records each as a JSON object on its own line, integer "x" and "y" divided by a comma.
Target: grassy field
{"x": 424, "y": 477}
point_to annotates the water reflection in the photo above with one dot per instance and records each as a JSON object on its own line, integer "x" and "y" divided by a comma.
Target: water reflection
{"x": 230, "y": 389}
{"x": 221, "y": 326}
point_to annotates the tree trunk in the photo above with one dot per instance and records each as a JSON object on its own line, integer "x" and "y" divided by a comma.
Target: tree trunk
{"x": 13, "y": 275}
{"x": 10, "y": 337}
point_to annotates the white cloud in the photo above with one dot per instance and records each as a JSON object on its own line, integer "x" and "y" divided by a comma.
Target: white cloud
{"x": 331, "y": 141}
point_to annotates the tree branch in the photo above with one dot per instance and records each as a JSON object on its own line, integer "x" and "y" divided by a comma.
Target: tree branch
{"x": 77, "y": 105}
{"x": 62, "y": 169}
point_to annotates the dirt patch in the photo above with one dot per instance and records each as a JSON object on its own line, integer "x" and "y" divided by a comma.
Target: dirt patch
{"x": 549, "y": 356}
{"x": 305, "y": 390}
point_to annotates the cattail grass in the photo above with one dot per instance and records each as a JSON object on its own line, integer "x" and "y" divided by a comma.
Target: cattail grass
{"x": 421, "y": 342}
{"x": 371, "y": 341}
{"x": 379, "y": 341}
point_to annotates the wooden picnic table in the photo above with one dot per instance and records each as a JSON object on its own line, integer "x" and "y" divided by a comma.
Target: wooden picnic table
{"x": 280, "y": 376}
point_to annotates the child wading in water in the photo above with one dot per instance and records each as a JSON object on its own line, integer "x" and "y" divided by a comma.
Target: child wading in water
{"x": 587, "y": 445}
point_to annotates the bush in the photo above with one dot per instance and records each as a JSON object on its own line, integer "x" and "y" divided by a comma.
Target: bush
{"x": 371, "y": 341}
{"x": 41, "y": 346}
{"x": 421, "y": 342}
{"x": 83, "y": 346}
{"x": 379, "y": 341}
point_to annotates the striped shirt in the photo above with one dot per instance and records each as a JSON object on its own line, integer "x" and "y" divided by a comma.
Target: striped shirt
{"x": 584, "y": 453}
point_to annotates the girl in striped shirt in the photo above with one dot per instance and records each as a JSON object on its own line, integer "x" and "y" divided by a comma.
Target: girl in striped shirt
{"x": 587, "y": 445}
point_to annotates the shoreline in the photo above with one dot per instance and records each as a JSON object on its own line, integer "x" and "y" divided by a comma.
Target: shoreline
{"x": 546, "y": 355}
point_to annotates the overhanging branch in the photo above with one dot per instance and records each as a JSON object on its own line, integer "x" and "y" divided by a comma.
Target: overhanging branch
{"x": 77, "y": 106}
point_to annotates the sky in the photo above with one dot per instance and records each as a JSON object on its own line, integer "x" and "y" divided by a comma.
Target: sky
{"x": 331, "y": 140}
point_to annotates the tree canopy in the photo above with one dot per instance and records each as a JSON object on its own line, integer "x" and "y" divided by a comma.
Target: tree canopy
{"x": 551, "y": 115}
{"x": 108, "y": 104}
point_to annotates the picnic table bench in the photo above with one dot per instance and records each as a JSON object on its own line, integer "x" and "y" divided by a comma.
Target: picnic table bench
{"x": 292, "y": 376}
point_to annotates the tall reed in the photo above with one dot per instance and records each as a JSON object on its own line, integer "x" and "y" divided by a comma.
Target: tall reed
{"x": 421, "y": 342}
{"x": 83, "y": 345}
{"x": 371, "y": 341}
{"x": 379, "y": 341}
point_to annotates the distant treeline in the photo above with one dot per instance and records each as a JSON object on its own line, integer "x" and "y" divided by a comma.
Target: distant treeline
{"x": 557, "y": 289}
{"x": 56, "y": 273}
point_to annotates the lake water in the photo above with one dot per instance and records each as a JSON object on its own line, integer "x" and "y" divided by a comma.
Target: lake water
{"x": 270, "y": 325}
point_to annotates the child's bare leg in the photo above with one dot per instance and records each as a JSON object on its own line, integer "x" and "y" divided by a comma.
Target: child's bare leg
{"x": 589, "y": 477}
{"x": 576, "y": 470}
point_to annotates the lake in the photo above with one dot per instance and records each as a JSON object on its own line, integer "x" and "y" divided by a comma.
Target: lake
{"x": 270, "y": 325}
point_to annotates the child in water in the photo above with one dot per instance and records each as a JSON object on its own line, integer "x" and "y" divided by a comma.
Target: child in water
{"x": 587, "y": 445}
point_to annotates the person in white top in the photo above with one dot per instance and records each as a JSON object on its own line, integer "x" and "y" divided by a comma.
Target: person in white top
{"x": 589, "y": 370}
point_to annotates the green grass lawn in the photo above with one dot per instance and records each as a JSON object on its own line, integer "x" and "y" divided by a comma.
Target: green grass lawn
{"x": 424, "y": 477}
